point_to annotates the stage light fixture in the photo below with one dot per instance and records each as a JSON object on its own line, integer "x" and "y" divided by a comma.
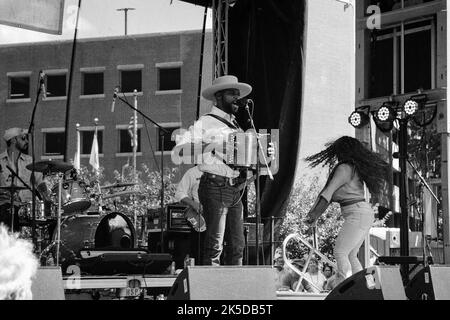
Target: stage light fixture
{"x": 413, "y": 104}
{"x": 410, "y": 107}
{"x": 385, "y": 113}
{"x": 359, "y": 118}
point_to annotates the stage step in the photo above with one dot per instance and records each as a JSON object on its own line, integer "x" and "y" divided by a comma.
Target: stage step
{"x": 291, "y": 295}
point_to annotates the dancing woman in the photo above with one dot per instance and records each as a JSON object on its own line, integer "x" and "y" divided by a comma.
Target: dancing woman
{"x": 356, "y": 166}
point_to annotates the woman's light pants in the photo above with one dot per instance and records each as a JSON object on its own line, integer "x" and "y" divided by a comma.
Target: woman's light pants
{"x": 358, "y": 219}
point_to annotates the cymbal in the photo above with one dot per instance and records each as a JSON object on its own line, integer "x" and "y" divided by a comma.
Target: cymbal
{"x": 50, "y": 166}
{"x": 118, "y": 185}
{"x": 13, "y": 188}
{"x": 118, "y": 194}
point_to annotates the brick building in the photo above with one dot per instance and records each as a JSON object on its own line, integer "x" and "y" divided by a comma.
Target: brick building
{"x": 162, "y": 67}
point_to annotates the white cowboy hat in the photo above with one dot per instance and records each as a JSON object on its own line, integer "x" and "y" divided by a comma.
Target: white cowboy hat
{"x": 226, "y": 82}
{"x": 13, "y": 132}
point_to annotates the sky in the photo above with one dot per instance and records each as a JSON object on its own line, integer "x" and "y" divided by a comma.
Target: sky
{"x": 100, "y": 18}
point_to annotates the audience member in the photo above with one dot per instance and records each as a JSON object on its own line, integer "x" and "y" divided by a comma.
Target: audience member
{"x": 315, "y": 276}
{"x": 18, "y": 266}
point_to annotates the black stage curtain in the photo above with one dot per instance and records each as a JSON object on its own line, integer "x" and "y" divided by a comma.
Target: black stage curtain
{"x": 265, "y": 43}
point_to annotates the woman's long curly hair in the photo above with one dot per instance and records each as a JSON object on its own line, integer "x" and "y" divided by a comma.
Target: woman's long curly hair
{"x": 371, "y": 168}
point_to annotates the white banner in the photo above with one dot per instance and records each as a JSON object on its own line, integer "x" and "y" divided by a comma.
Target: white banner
{"x": 37, "y": 15}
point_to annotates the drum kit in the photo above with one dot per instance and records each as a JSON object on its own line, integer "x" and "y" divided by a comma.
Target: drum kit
{"x": 64, "y": 225}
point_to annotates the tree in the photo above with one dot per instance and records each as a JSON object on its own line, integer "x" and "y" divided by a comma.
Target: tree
{"x": 303, "y": 195}
{"x": 143, "y": 196}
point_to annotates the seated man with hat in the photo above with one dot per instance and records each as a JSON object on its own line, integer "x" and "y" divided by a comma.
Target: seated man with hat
{"x": 15, "y": 157}
{"x": 221, "y": 184}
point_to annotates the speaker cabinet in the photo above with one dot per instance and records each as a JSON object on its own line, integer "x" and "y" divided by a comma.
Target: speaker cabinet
{"x": 430, "y": 283}
{"x": 224, "y": 283}
{"x": 373, "y": 283}
{"x": 178, "y": 244}
{"x": 48, "y": 284}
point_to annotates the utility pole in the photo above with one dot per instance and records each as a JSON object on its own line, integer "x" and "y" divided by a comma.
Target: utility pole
{"x": 125, "y": 10}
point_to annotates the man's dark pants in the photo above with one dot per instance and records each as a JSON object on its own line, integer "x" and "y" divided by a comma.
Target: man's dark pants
{"x": 222, "y": 210}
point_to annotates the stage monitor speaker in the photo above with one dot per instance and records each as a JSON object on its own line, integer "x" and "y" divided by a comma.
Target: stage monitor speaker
{"x": 430, "y": 283}
{"x": 224, "y": 283}
{"x": 373, "y": 283}
{"x": 48, "y": 284}
{"x": 177, "y": 243}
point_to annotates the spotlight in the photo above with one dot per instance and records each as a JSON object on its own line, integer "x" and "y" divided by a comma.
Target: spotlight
{"x": 359, "y": 118}
{"x": 385, "y": 113}
{"x": 412, "y": 105}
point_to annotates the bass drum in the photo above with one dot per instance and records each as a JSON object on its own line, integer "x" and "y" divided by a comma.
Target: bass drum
{"x": 113, "y": 231}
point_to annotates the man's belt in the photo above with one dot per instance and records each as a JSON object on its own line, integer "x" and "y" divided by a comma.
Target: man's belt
{"x": 233, "y": 182}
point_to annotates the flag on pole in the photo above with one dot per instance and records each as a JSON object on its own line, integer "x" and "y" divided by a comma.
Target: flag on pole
{"x": 133, "y": 139}
{"x": 93, "y": 159}
{"x": 37, "y": 15}
{"x": 76, "y": 158}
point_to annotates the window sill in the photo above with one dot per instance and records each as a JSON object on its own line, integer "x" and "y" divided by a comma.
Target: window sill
{"x": 130, "y": 94}
{"x": 18, "y": 100}
{"x": 54, "y": 98}
{"x": 92, "y": 96}
{"x": 166, "y": 153}
{"x": 128, "y": 154}
{"x": 54, "y": 157}
{"x": 87, "y": 156}
{"x": 166, "y": 92}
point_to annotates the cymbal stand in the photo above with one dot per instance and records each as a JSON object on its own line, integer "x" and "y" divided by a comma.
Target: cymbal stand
{"x": 100, "y": 197}
{"x": 58, "y": 218}
{"x": 12, "y": 193}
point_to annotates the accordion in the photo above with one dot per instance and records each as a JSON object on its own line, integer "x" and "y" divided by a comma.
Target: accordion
{"x": 241, "y": 149}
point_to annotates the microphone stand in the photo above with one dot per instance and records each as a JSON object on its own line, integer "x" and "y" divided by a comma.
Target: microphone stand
{"x": 33, "y": 161}
{"x": 257, "y": 182}
{"x": 161, "y": 137}
{"x": 424, "y": 183}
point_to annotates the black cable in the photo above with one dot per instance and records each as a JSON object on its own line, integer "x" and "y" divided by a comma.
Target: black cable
{"x": 151, "y": 146}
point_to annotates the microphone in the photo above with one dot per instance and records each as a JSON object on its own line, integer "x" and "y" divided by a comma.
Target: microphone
{"x": 42, "y": 83}
{"x": 116, "y": 90}
{"x": 243, "y": 103}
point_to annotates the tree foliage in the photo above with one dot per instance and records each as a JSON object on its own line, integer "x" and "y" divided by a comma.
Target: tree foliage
{"x": 144, "y": 195}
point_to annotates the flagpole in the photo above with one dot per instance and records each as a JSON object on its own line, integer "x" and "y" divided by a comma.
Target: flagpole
{"x": 135, "y": 142}
{"x": 76, "y": 160}
{"x": 95, "y": 163}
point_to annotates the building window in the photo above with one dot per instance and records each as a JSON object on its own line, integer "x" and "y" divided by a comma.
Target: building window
{"x": 87, "y": 137}
{"x": 125, "y": 141}
{"x": 92, "y": 83}
{"x": 19, "y": 87}
{"x": 394, "y": 72}
{"x": 55, "y": 85}
{"x": 168, "y": 143}
{"x": 54, "y": 143}
{"x": 131, "y": 80}
{"x": 169, "y": 79}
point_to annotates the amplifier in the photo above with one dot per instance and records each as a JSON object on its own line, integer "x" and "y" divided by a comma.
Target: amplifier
{"x": 176, "y": 217}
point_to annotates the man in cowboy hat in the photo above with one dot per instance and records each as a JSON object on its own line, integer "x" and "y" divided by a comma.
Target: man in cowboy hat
{"x": 15, "y": 157}
{"x": 221, "y": 184}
